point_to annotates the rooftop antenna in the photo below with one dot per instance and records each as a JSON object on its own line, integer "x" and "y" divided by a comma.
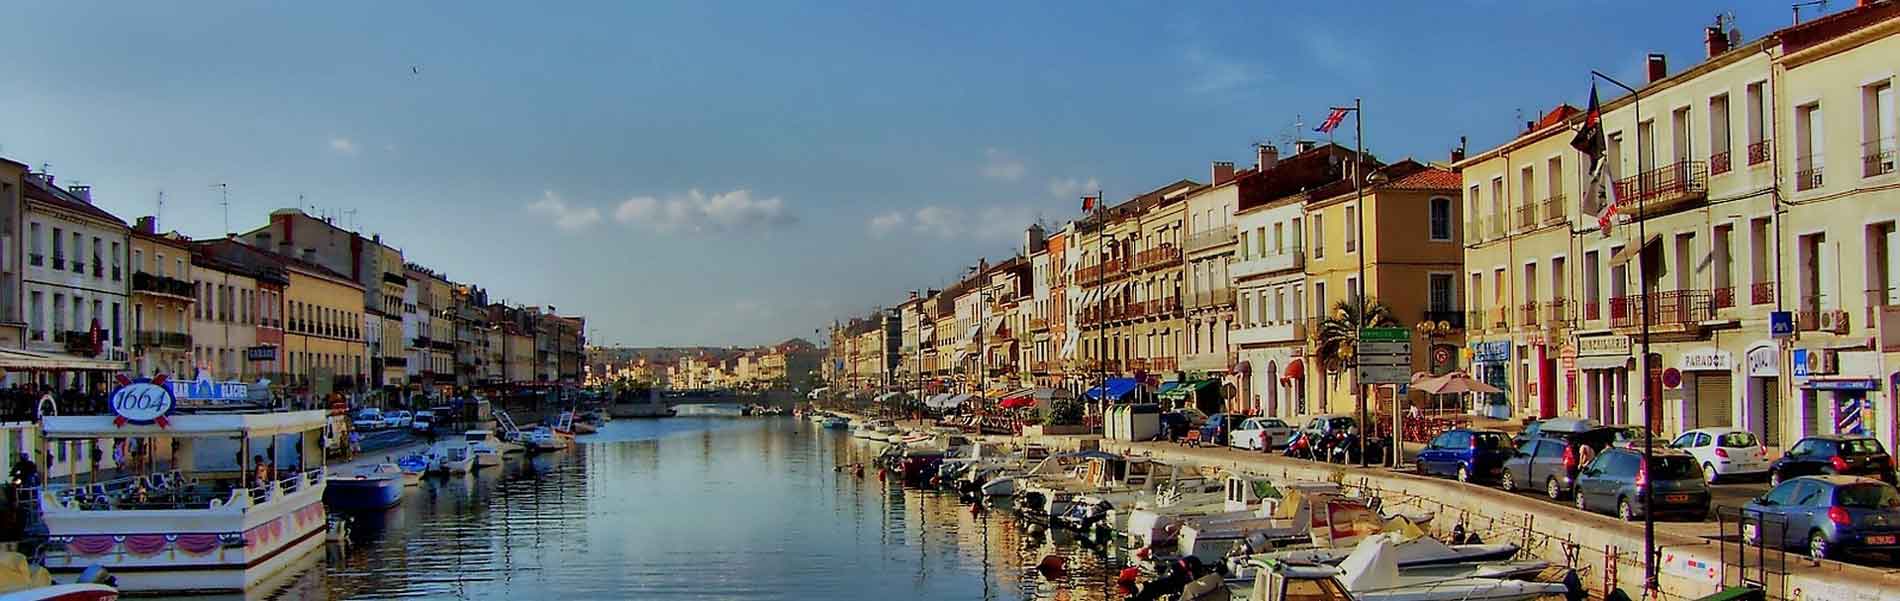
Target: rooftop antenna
{"x": 224, "y": 202}
{"x": 1820, "y": 6}
{"x": 351, "y": 214}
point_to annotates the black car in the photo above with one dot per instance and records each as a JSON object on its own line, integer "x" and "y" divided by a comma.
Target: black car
{"x": 1830, "y": 454}
{"x": 1619, "y": 477}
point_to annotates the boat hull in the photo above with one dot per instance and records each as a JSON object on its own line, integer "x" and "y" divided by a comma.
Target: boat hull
{"x": 362, "y": 494}
{"x": 65, "y": 592}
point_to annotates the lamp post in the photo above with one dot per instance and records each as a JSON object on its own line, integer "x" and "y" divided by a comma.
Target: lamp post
{"x": 1649, "y": 412}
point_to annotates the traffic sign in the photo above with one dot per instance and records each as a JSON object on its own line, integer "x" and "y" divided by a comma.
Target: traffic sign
{"x": 1384, "y": 374}
{"x": 1385, "y": 335}
{"x": 1385, "y": 348}
{"x": 1385, "y": 359}
{"x": 1781, "y": 323}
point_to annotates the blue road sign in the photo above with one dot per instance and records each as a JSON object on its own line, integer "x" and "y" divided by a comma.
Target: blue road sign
{"x": 1781, "y": 323}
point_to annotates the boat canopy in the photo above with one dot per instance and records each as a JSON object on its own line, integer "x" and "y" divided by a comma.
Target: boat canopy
{"x": 189, "y": 425}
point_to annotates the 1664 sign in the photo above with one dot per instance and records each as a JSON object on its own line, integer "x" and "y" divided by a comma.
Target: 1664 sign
{"x": 143, "y": 401}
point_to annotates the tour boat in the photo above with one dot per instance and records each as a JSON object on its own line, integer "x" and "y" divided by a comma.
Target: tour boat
{"x": 205, "y": 525}
{"x": 372, "y": 487}
{"x": 484, "y": 447}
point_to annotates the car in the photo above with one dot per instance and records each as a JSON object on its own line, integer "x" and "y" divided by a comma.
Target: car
{"x": 1550, "y": 460}
{"x": 1217, "y": 428}
{"x": 1618, "y": 478}
{"x": 1724, "y": 452}
{"x": 367, "y": 419}
{"x": 1466, "y": 453}
{"x": 1631, "y": 436}
{"x": 423, "y": 421}
{"x": 1827, "y": 516}
{"x": 1260, "y": 434}
{"x": 396, "y": 419}
{"x": 1558, "y": 424}
{"x": 1828, "y": 454}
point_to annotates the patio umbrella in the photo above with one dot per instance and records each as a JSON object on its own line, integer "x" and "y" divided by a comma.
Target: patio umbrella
{"x": 1456, "y": 382}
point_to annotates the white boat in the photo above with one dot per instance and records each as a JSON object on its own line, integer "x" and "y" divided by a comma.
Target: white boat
{"x": 413, "y": 467}
{"x": 1297, "y": 513}
{"x": 393, "y": 469}
{"x": 1380, "y": 580}
{"x": 1411, "y": 550}
{"x": 508, "y": 438}
{"x": 542, "y": 439}
{"x": 484, "y": 447}
{"x": 450, "y": 457}
{"x": 206, "y": 528}
{"x": 874, "y": 430}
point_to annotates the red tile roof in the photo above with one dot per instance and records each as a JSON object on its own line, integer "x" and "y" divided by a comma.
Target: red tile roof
{"x": 1429, "y": 178}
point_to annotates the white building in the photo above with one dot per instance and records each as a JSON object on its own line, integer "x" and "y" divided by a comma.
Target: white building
{"x": 75, "y": 275}
{"x": 1270, "y": 329}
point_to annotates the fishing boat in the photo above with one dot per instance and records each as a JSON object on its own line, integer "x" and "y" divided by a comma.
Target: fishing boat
{"x": 413, "y": 465}
{"x": 212, "y": 526}
{"x": 483, "y": 447}
{"x": 372, "y": 487}
{"x": 1411, "y": 550}
{"x": 450, "y": 458}
{"x": 837, "y": 423}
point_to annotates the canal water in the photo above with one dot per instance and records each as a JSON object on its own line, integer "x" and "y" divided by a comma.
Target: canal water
{"x": 692, "y": 508}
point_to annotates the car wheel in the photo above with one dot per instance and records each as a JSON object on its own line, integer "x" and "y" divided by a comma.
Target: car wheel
{"x": 1578, "y": 500}
{"x": 1624, "y": 510}
{"x": 1817, "y": 545}
{"x": 1464, "y": 473}
{"x": 1552, "y": 489}
{"x": 1507, "y": 482}
{"x": 1708, "y": 471}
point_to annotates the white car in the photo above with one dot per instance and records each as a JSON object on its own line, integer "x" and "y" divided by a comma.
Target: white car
{"x": 396, "y": 419}
{"x": 1260, "y": 434}
{"x": 423, "y": 421}
{"x": 1725, "y": 452}
{"x": 368, "y": 419}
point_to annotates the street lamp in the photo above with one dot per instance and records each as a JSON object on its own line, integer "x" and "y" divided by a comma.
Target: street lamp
{"x": 1374, "y": 178}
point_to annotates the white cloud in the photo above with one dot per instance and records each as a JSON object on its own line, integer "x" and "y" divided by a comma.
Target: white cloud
{"x": 999, "y": 165}
{"x": 1213, "y": 74}
{"x": 985, "y": 223}
{"x": 696, "y": 211}
{"x": 342, "y": 145}
{"x": 1346, "y": 59}
{"x": 1072, "y": 188}
{"x": 563, "y": 215}
{"x": 884, "y": 224}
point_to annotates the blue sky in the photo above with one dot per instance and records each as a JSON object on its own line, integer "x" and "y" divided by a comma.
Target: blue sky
{"x": 727, "y": 173}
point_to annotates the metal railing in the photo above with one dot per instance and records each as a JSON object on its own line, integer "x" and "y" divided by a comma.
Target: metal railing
{"x": 1760, "y": 152}
{"x": 1495, "y": 226}
{"x": 1665, "y": 309}
{"x": 1167, "y": 363}
{"x": 1527, "y": 215}
{"x": 1876, "y": 157}
{"x": 1761, "y": 293}
{"x": 1592, "y": 309}
{"x": 1674, "y": 180}
{"x": 1158, "y": 256}
{"x": 1475, "y": 317}
{"x": 1528, "y": 314}
{"x": 1557, "y": 311}
{"x": 1473, "y": 232}
{"x": 1878, "y": 298}
{"x": 148, "y": 282}
{"x": 150, "y": 338}
{"x": 1217, "y": 236}
{"x": 1719, "y": 163}
{"x": 1810, "y": 173}
{"x": 1554, "y": 210}
{"x": 1724, "y": 297}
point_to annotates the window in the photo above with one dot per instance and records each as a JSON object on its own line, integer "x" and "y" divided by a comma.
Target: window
{"x": 59, "y": 314}
{"x": 116, "y": 265}
{"x": 1319, "y": 235}
{"x": 1877, "y": 123}
{"x": 79, "y": 247}
{"x": 1441, "y": 218}
{"x": 36, "y": 316}
{"x": 1530, "y": 283}
{"x": 1554, "y": 184}
{"x": 115, "y": 325}
{"x": 1719, "y": 150}
{"x": 1808, "y": 143}
{"x": 1475, "y": 292}
{"x": 1758, "y": 265}
{"x": 1443, "y": 296}
{"x": 1352, "y": 229}
{"x": 1756, "y": 122}
{"x": 1679, "y": 126}
{"x": 1319, "y": 299}
{"x": 1645, "y": 146}
{"x": 59, "y": 248}
{"x": 34, "y": 257}
{"x": 1352, "y": 289}
{"x": 1721, "y": 264}
{"x": 1559, "y": 278}
{"x": 1685, "y": 257}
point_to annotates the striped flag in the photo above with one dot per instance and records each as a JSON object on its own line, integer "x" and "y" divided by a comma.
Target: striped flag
{"x": 1332, "y": 121}
{"x": 1602, "y": 187}
{"x": 1089, "y": 202}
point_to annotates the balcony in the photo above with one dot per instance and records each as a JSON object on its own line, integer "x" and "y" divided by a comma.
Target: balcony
{"x": 1527, "y": 216}
{"x": 1098, "y": 273}
{"x": 1140, "y": 365}
{"x": 1664, "y": 189}
{"x": 1209, "y": 299}
{"x": 1162, "y": 256}
{"x": 1761, "y": 293}
{"x": 153, "y": 339}
{"x": 1528, "y": 315}
{"x": 1474, "y": 232}
{"x": 1719, "y": 163}
{"x": 1811, "y": 176}
{"x": 1495, "y": 226}
{"x": 1880, "y": 298}
{"x": 1038, "y": 324}
{"x": 1217, "y": 236}
{"x": 1724, "y": 297}
{"x": 1554, "y": 210}
{"x": 1268, "y": 333}
{"x": 1500, "y": 318}
{"x": 158, "y": 284}
{"x": 1475, "y": 317}
{"x": 1876, "y": 157}
{"x": 1759, "y": 152}
{"x": 1164, "y": 308}
{"x": 1676, "y": 310}
{"x": 77, "y": 342}
{"x": 1286, "y": 261}
{"x": 1166, "y": 364}
{"x": 1592, "y": 310}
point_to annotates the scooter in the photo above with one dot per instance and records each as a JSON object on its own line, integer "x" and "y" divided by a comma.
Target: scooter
{"x": 1300, "y": 446}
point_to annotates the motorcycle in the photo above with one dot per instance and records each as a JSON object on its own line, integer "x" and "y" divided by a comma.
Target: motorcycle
{"x": 1300, "y": 446}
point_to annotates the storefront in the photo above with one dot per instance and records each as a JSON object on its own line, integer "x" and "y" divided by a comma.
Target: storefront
{"x": 1490, "y": 362}
{"x": 1761, "y": 398}
{"x": 1604, "y": 362}
{"x": 1843, "y": 401}
{"x": 1710, "y": 387}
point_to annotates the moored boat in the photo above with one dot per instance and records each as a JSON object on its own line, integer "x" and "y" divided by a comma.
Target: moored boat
{"x": 371, "y": 487}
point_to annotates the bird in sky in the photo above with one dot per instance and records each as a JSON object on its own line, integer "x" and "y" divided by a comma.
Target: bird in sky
{"x": 415, "y": 69}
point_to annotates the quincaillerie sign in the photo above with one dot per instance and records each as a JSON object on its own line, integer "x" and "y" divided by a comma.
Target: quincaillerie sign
{"x": 143, "y": 402}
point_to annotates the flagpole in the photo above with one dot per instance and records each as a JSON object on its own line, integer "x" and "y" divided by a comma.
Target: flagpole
{"x": 1359, "y": 294}
{"x": 1649, "y": 409}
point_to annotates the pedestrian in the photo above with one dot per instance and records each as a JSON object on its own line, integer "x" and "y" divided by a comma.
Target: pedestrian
{"x": 263, "y": 471}
{"x": 26, "y": 474}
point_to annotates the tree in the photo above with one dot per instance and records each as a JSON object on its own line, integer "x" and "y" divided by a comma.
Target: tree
{"x": 1339, "y": 330}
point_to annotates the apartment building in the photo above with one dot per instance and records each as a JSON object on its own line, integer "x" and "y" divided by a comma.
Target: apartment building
{"x": 1156, "y": 283}
{"x": 1270, "y": 331}
{"x": 225, "y": 338}
{"x": 165, "y": 307}
{"x": 74, "y": 280}
{"x": 13, "y": 324}
{"x": 1209, "y": 295}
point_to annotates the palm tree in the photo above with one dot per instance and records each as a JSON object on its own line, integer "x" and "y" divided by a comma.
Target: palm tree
{"x": 1339, "y": 331}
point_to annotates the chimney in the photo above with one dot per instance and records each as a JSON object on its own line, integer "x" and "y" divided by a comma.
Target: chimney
{"x": 146, "y": 225}
{"x": 1223, "y": 172}
{"x": 1458, "y": 154}
{"x": 1716, "y": 41}
{"x": 309, "y": 254}
{"x": 1034, "y": 240}
{"x": 1266, "y": 156}
{"x": 1300, "y": 146}
{"x": 83, "y": 191}
{"x": 1658, "y": 67}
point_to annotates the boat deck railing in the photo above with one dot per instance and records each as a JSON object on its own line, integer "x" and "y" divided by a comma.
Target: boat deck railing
{"x": 172, "y": 490}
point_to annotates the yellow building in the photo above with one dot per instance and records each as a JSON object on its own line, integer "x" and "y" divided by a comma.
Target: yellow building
{"x": 1156, "y": 281}
{"x": 323, "y": 335}
{"x": 164, "y": 304}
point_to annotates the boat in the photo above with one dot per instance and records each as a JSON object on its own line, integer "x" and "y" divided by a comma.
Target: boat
{"x": 207, "y": 528}
{"x": 413, "y": 465}
{"x": 1372, "y": 578}
{"x": 1297, "y": 513}
{"x": 837, "y": 423}
{"x": 484, "y": 447}
{"x": 1412, "y": 551}
{"x": 543, "y": 439}
{"x": 20, "y": 580}
{"x": 450, "y": 458}
{"x": 374, "y": 486}
{"x": 870, "y": 429}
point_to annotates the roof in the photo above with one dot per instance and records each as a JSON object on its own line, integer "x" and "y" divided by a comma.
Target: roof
{"x": 1429, "y": 178}
{"x": 39, "y": 187}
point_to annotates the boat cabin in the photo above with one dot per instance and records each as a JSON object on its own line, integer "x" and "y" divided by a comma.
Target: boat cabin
{"x": 1278, "y": 581}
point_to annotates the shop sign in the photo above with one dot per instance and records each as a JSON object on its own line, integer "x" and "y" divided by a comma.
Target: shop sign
{"x": 1491, "y": 352}
{"x": 143, "y": 401}
{"x": 1762, "y": 362}
{"x": 1887, "y": 325}
{"x": 1707, "y": 360}
{"x": 1603, "y": 345}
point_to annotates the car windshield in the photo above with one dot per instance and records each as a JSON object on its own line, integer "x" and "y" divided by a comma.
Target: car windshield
{"x": 1737, "y": 440}
{"x": 1861, "y": 446}
{"x": 1867, "y": 495}
{"x": 1674, "y": 467}
{"x": 1272, "y": 423}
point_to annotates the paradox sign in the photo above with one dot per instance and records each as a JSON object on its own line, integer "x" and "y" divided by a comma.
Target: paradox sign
{"x": 143, "y": 402}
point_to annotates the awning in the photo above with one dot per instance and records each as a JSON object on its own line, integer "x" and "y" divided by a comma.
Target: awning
{"x": 970, "y": 334}
{"x": 1116, "y": 388}
{"x": 1296, "y": 369}
{"x": 995, "y": 326}
{"x": 1603, "y": 362}
{"x": 1167, "y": 386}
{"x": 25, "y": 360}
{"x": 939, "y": 401}
{"x": 959, "y": 357}
{"x": 1456, "y": 382}
{"x": 1182, "y": 392}
{"x": 886, "y": 397}
{"x": 927, "y": 335}
{"x": 1629, "y": 252}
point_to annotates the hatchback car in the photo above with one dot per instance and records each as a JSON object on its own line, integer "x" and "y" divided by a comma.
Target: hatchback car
{"x": 1551, "y": 459}
{"x": 1216, "y": 429}
{"x": 1830, "y": 454}
{"x": 368, "y": 418}
{"x": 1619, "y": 477}
{"x": 1826, "y": 516}
{"x": 1465, "y": 453}
{"x": 1724, "y": 452}
{"x": 396, "y": 419}
{"x": 1260, "y": 434}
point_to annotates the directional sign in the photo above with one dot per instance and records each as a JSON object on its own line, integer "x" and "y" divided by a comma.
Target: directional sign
{"x": 1384, "y": 359}
{"x": 1385, "y": 348}
{"x": 1385, "y": 335}
{"x": 1384, "y": 374}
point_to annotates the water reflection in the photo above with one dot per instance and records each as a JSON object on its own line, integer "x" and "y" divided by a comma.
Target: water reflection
{"x": 691, "y": 508}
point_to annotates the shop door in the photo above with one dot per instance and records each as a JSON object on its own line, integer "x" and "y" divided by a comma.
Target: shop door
{"x": 1546, "y": 387}
{"x": 1818, "y": 414}
{"x": 1713, "y": 400}
{"x": 1770, "y": 395}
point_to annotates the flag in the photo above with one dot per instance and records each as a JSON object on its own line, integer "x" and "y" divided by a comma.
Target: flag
{"x": 1601, "y": 188}
{"x": 1332, "y": 121}
{"x": 1589, "y": 138}
{"x": 1089, "y": 202}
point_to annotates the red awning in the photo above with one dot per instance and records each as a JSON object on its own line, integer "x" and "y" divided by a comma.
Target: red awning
{"x": 1296, "y": 370}
{"x": 1019, "y": 401}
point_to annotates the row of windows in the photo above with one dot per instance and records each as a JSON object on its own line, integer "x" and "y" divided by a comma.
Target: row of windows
{"x": 71, "y": 315}
{"x": 319, "y": 320}
{"x": 101, "y": 262}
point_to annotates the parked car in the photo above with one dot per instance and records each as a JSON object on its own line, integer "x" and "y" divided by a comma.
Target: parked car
{"x": 1260, "y": 434}
{"x": 1617, "y": 478}
{"x": 1826, "y": 515}
{"x": 367, "y": 419}
{"x": 1550, "y": 460}
{"x": 1175, "y": 425}
{"x": 1829, "y": 454}
{"x": 1466, "y": 453}
{"x": 1724, "y": 452}
{"x": 396, "y": 419}
{"x": 1217, "y": 428}
{"x": 1561, "y": 424}
{"x": 423, "y": 421}
{"x": 1630, "y": 436}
